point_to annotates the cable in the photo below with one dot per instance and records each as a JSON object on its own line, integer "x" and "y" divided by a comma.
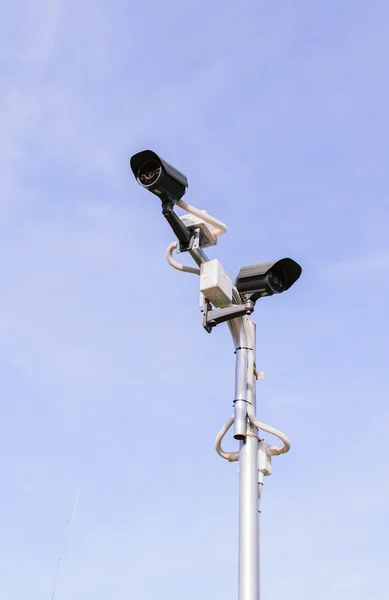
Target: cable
{"x": 177, "y": 265}
{"x": 271, "y": 450}
{"x": 230, "y": 456}
{"x": 202, "y": 214}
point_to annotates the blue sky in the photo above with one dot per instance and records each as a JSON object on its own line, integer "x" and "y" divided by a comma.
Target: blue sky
{"x": 278, "y": 114}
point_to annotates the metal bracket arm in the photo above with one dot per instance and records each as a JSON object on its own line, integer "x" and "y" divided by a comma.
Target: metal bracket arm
{"x": 182, "y": 232}
{"x": 211, "y": 318}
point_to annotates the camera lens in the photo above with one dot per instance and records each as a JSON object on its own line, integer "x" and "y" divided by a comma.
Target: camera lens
{"x": 277, "y": 280}
{"x": 149, "y": 173}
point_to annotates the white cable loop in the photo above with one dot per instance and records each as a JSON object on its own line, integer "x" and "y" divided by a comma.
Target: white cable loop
{"x": 177, "y": 265}
{"x": 271, "y": 450}
{"x": 202, "y": 214}
{"x": 230, "y": 456}
{"x": 218, "y": 229}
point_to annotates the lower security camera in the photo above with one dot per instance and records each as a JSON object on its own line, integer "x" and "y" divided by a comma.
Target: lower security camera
{"x": 158, "y": 176}
{"x": 268, "y": 278}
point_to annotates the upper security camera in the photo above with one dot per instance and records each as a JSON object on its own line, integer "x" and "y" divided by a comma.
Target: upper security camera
{"x": 158, "y": 176}
{"x": 268, "y": 278}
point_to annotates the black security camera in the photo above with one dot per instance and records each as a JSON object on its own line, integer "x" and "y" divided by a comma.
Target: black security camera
{"x": 158, "y": 176}
{"x": 268, "y": 278}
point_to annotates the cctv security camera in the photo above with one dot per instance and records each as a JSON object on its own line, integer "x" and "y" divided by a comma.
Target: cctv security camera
{"x": 268, "y": 278}
{"x": 158, "y": 176}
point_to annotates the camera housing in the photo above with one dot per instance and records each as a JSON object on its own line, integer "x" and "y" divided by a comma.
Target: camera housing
{"x": 158, "y": 176}
{"x": 268, "y": 278}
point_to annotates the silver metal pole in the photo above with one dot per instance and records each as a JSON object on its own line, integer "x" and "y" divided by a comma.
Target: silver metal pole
{"x": 248, "y": 495}
{"x": 243, "y": 333}
{"x": 198, "y": 256}
{"x": 241, "y": 388}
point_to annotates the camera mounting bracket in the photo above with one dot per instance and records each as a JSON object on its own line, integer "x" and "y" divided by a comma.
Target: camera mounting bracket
{"x": 188, "y": 238}
{"x": 183, "y": 234}
{"x": 213, "y": 317}
{"x": 194, "y": 242}
{"x": 197, "y": 240}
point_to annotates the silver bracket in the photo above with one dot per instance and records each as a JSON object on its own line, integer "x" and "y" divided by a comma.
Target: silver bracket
{"x": 195, "y": 241}
{"x": 213, "y": 317}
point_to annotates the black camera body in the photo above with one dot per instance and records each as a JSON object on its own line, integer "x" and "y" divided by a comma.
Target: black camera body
{"x": 268, "y": 278}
